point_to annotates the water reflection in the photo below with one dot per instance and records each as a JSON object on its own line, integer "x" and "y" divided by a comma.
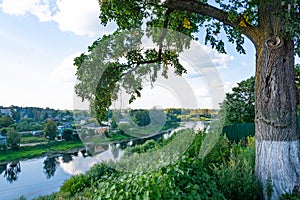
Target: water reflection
{"x": 50, "y": 164}
{"x": 12, "y": 170}
{"x": 2, "y": 167}
{"x": 115, "y": 151}
{"x": 66, "y": 158}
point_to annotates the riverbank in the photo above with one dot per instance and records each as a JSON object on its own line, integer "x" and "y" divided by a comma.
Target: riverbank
{"x": 27, "y": 152}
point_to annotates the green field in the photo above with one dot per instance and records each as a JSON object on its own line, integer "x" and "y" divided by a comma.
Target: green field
{"x": 38, "y": 150}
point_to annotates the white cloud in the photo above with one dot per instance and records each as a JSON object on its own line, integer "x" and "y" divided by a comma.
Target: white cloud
{"x": 222, "y": 60}
{"x": 65, "y": 72}
{"x": 77, "y": 16}
{"x": 16, "y": 7}
{"x": 39, "y": 8}
{"x": 228, "y": 86}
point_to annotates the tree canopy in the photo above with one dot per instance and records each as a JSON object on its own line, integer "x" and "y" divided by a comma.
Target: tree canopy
{"x": 117, "y": 60}
{"x": 50, "y": 129}
{"x": 238, "y": 106}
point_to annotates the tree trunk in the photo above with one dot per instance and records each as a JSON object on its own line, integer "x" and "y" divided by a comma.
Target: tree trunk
{"x": 277, "y": 164}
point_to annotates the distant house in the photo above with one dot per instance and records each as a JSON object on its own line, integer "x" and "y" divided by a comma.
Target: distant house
{"x": 3, "y": 140}
{"x": 96, "y": 127}
{"x": 5, "y": 111}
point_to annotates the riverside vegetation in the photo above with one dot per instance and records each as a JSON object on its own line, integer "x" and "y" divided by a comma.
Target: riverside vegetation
{"x": 227, "y": 172}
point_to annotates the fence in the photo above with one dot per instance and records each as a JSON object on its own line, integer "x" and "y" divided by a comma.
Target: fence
{"x": 236, "y": 132}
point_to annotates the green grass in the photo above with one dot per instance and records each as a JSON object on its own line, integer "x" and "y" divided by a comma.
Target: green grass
{"x": 32, "y": 139}
{"x": 38, "y": 150}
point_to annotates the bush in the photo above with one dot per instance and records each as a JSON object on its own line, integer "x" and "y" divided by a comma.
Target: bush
{"x": 13, "y": 139}
{"x": 295, "y": 195}
{"x": 235, "y": 178}
{"x": 186, "y": 179}
{"x": 219, "y": 153}
{"x": 75, "y": 184}
{"x": 147, "y": 146}
{"x": 78, "y": 183}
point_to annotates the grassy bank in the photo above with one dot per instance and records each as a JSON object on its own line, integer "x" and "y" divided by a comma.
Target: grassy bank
{"x": 38, "y": 150}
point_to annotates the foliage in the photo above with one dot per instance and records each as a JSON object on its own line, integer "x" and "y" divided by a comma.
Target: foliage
{"x": 143, "y": 148}
{"x": 13, "y": 139}
{"x": 75, "y": 184}
{"x": 183, "y": 180}
{"x": 16, "y": 116}
{"x": 5, "y": 121}
{"x": 295, "y": 195}
{"x": 155, "y": 156}
{"x": 50, "y": 129}
{"x": 67, "y": 134}
{"x": 32, "y": 139}
{"x": 113, "y": 123}
{"x": 78, "y": 183}
{"x": 236, "y": 18}
{"x": 28, "y": 125}
{"x": 218, "y": 154}
{"x": 236, "y": 177}
{"x": 229, "y": 177}
{"x": 238, "y": 106}
{"x": 140, "y": 117}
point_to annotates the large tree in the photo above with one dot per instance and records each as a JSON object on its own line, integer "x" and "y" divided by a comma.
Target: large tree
{"x": 13, "y": 139}
{"x": 272, "y": 27}
{"x": 238, "y": 105}
{"x": 50, "y": 129}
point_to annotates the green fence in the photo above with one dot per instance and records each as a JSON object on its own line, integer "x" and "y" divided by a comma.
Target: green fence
{"x": 236, "y": 132}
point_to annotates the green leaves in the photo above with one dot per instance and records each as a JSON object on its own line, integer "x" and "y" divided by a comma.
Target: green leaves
{"x": 171, "y": 31}
{"x": 120, "y": 61}
{"x": 127, "y": 14}
{"x": 238, "y": 106}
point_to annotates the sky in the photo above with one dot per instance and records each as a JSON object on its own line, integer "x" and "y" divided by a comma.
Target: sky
{"x": 40, "y": 38}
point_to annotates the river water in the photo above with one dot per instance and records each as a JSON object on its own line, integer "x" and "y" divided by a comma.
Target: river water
{"x": 42, "y": 176}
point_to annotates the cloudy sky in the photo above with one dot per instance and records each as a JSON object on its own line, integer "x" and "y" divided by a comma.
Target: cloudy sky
{"x": 40, "y": 38}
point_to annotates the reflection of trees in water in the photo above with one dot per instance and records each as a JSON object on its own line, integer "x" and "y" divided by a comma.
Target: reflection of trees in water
{"x": 3, "y": 168}
{"x": 12, "y": 170}
{"x": 114, "y": 151}
{"x": 66, "y": 158}
{"x": 50, "y": 165}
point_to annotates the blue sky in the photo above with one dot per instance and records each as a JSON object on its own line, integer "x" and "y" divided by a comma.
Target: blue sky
{"x": 40, "y": 38}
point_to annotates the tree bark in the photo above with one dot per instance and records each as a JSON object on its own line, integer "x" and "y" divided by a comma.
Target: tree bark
{"x": 277, "y": 164}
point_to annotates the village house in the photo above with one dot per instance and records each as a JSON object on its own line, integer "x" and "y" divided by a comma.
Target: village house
{"x": 97, "y": 128}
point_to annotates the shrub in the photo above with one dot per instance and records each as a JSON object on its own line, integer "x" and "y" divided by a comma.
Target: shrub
{"x": 78, "y": 183}
{"x": 98, "y": 170}
{"x": 295, "y": 195}
{"x": 218, "y": 154}
{"x": 147, "y": 146}
{"x": 75, "y": 184}
{"x": 235, "y": 178}
{"x": 184, "y": 180}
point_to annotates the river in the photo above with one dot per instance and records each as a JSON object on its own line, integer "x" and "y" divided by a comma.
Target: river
{"x": 42, "y": 176}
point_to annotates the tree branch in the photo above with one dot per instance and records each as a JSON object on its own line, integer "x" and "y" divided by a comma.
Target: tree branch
{"x": 211, "y": 11}
{"x": 161, "y": 39}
